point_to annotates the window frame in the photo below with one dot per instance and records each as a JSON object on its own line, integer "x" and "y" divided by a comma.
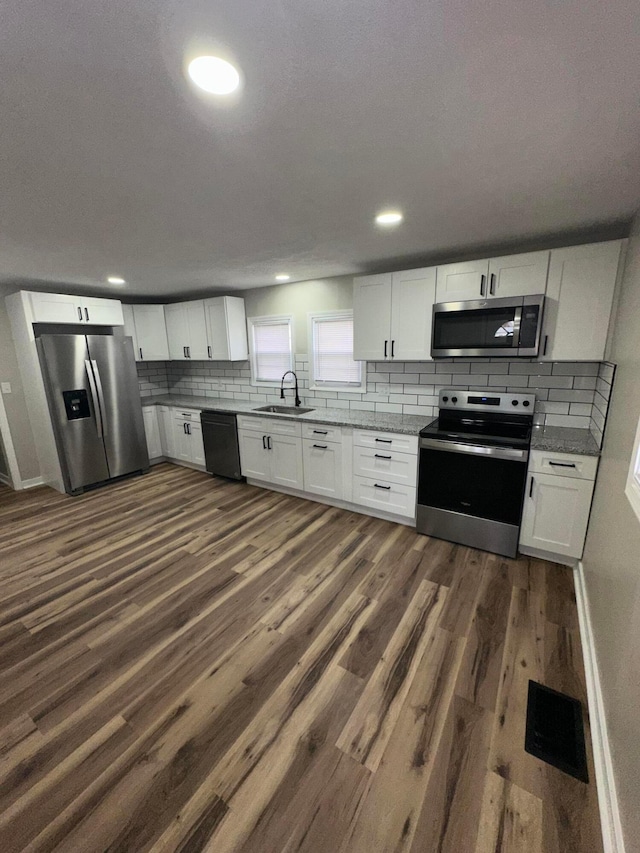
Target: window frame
{"x": 632, "y": 488}
{"x": 265, "y": 320}
{"x": 319, "y": 385}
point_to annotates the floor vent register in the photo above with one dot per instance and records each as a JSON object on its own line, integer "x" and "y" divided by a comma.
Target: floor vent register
{"x": 555, "y": 731}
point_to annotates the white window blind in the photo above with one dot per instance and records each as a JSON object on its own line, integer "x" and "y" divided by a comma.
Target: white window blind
{"x": 271, "y": 349}
{"x": 632, "y": 489}
{"x": 332, "y": 358}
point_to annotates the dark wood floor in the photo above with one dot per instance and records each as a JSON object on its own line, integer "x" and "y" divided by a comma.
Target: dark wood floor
{"x": 190, "y": 664}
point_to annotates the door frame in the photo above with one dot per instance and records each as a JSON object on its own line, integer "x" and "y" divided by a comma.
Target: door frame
{"x": 15, "y": 480}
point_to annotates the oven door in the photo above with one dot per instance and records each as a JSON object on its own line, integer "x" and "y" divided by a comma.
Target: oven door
{"x": 485, "y": 482}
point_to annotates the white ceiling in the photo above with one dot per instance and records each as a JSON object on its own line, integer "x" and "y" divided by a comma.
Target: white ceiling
{"x": 486, "y": 123}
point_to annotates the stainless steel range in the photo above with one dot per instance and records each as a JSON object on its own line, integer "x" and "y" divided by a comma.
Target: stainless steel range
{"x": 473, "y": 468}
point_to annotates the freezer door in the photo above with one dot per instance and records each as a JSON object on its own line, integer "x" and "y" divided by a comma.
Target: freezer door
{"x": 73, "y": 407}
{"x": 114, "y": 368}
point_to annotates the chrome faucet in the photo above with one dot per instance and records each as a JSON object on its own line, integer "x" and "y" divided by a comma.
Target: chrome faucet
{"x": 298, "y": 401}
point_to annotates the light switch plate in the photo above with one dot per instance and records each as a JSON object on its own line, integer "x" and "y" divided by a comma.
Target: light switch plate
{"x": 6, "y": 387}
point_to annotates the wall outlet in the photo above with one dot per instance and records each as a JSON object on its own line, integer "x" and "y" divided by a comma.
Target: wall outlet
{"x": 6, "y": 387}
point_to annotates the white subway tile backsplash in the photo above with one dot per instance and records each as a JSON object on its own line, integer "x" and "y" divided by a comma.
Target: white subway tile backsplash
{"x": 565, "y": 392}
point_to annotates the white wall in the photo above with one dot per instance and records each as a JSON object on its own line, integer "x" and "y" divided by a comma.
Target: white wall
{"x": 612, "y": 554}
{"x": 14, "y": 403}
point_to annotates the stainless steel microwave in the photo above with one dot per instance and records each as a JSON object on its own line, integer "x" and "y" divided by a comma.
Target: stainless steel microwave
{"x": 508, "y": 327}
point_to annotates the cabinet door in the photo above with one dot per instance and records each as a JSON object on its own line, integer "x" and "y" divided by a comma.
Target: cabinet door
{"x": 226, "y": 328}
{"x": 372, "y": 317}
{"x": 198, "y": 340}
{"x": 286, "y": 461}
{"x": 166, "y": 426}
{"x": 322, "y": 468}
{"x": 151, "y": 333}
{"x": 582, "y": 281}
{"x": 182, "y": 440}
{"x": 197, "y": 443}
{"x": 556, "y": 513}
{"x": 177, "y": 331}
{"x": 413, "y": 294}
{"x": 152, "y": 431}
{"x": 102, "y": 312}
{"x": 460, "y": 282}
{"x": 255, "y": 459}
{"x": 130, "y": 328}
{"x": 518, "y": 275}
{"x": 56, "y": 308}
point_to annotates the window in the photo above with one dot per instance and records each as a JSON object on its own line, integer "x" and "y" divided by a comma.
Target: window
{"x": 331, "y": 357}
{"x": 271, "y": 352}
{"x": 632, "y": 490}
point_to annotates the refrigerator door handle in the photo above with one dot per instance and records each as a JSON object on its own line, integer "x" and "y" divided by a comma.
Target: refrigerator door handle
{"x": 101, "y": 402}
{"x": 94, "y": 395}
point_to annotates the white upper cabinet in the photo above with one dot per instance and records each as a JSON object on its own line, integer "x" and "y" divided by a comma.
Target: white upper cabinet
{"x": 512, "y": 275}
{"x": 226, "y": 328}
{"x": 461, "y": 282}
{"x": 62, "y": 308}
{"x": 392, "y": 315}
{"x": 372, "y": 317}
{"x": 146, "y": 325}
{"x": 580, "y": 292}
{"x": 413, "y": 293}
{"x": 518, "y": 275}
{"x": 187, "y": 331}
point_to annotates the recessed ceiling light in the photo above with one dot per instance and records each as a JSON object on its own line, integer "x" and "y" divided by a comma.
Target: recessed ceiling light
{"x": 115, "y": 279}
{"x": 282, "y": 277}
{"x": 389, "y": 217}
{"x": 214, "y": 75}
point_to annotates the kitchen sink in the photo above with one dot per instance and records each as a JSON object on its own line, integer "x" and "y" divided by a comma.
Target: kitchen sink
{"x": 284, "y": 410}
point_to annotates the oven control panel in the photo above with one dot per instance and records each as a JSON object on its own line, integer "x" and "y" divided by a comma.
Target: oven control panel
{"x": 486, "y": 401}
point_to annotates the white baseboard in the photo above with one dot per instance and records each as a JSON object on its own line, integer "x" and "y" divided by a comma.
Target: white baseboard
{"x": 29, "y": 484}
{"x": 4, "y": 479}
{"x": 612, "y": 837}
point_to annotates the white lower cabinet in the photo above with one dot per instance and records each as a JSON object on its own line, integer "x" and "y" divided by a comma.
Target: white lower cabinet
{"x": 383, "y": 495}
{"x": 271, "y": 451}
{"x": 557, "y": 505}
{"x": 165, "y": 426}
{"x": 385, "y": 471}
{"x": 152, "y": 431}
{"x": 322, "y": 467}
{"x": 188, "y": 445}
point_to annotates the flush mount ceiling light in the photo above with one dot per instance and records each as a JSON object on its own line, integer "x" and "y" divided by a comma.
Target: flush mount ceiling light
{"x": 389, "y": 217}
{"x": 214, "y": 75}
{"x": 115, "y": 279}
{"x": 282, "y": 276}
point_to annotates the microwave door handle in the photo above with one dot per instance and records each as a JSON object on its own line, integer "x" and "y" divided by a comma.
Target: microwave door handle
{"x": 517, "y": 319}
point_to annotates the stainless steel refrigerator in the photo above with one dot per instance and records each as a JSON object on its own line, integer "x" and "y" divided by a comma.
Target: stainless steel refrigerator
{"x": 94, "y": 401}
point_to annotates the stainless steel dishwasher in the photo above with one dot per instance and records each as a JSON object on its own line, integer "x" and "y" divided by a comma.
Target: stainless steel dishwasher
{"x": 220, "y": 436}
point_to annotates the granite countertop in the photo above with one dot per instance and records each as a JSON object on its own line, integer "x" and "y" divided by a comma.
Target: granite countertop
{"x": 404, "y": 424}
{"x": 564, "y": 440}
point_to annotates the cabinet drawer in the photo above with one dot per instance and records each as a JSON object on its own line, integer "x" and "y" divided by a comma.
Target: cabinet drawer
{"x": 321, "y": 432}
{"x": 273, "y": 426}
{"x": 187, "y": 414}
{"x": 392, "y": 466}
{"x": 388, "y": 440}
{"x": 563, "y": 464}
{"x": 384, "y": 495}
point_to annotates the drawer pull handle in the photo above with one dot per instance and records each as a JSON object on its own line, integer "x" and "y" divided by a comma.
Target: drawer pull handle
{"x": 320, "y": 431}
{"x": 563, "y": 464}
{"x": 385, "y": 440}
{"x": 264, "y": 442}
{"x": 531, "y": 488}
{"x": 320, "y": 446}
{"x": 378, "y": 486}
{"x": 381, "y": 456}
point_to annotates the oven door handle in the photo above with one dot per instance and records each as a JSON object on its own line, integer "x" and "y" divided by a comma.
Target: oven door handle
{"x": 511, "y": 453}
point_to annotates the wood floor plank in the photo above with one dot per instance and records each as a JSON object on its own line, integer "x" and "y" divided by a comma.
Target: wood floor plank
{"x": 369, "y": 728}
{"x": 179, "y": 680}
